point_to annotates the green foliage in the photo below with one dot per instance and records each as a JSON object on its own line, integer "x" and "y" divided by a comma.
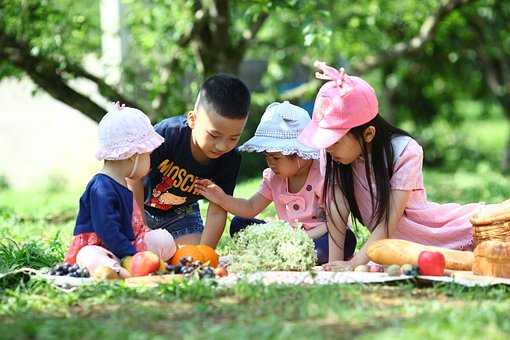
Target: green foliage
{"x": 4, "y": 183}
{"x": 66, "y": 30}
{"x": 14, "y": 255}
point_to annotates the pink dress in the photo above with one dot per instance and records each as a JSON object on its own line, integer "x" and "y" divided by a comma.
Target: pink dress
{"x": 303, "y": 206}
{"x": 442, "y": 225}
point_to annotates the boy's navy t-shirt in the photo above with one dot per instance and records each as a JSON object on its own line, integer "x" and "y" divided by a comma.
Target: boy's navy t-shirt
{"x": 171, "y": 181}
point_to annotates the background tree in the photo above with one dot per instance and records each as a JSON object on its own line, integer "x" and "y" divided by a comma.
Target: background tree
{"x": 426, "y": 58}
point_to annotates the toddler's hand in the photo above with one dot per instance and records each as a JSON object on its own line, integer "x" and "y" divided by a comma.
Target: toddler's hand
{"x": 209, "y": 190}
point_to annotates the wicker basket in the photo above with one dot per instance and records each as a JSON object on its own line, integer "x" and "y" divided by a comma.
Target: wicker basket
{"x": 499, "y": 232}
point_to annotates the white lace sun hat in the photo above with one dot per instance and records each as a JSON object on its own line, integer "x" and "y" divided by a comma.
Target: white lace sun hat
{"x": 278, "y": 130}
{"x": 124, "y": 132}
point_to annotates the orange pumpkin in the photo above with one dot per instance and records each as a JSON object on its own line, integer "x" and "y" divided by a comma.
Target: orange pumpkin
{"x": 209, "y": 254}
{"x": 200, "y": 253}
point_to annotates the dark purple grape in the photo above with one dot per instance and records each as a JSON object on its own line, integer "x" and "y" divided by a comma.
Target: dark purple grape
{"x": 208, "y": 272}
{"x": 74, "y": 268}
{"x": 170, "y": 268}
{"x": 185, "y": 260}
{"x": 178, "y": 269}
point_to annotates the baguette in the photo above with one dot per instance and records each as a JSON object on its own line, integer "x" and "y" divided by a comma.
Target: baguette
{"x": 393, "y": 251}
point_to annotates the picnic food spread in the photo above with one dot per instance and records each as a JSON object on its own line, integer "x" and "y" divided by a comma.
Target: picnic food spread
{"x": 492, "y": 258}
{"x": 393, "y": 251}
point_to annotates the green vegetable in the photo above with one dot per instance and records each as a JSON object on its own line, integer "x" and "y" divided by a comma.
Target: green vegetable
{"x": 274, "y": 246}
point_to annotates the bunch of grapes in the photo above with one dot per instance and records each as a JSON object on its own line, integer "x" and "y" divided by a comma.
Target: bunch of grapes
{"x": 190, "y": 268}
{"x": 66, "y": 269}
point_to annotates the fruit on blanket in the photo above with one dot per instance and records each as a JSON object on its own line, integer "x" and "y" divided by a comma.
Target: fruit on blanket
{"x": 103, "y": 273}
{"x": 126, "y": 263}
{"x": 393, "y": 251}
{"x": 144, "y": 263}
{"x": 375, "y": 268}
{"x": 189, "y": 269}
{"x": 431, "y": 263}
{"x": 220, "y": 271}
{"x": 409, "y": 269}
{"x": 361, "y": 268}
{"x": 185, "y": 251}
{"x": 210, "y": 255}
{"x": 393, "y": 270}
{"x": 66, "y": 269}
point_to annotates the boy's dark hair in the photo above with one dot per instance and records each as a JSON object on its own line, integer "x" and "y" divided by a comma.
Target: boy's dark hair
{"x": 226, "y": 95}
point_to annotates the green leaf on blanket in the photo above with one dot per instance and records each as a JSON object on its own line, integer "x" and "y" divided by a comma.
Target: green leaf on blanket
{"x": 274, "y": 246}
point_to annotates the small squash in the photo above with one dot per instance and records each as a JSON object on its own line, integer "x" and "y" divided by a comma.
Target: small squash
{"x": 202, "y": 253}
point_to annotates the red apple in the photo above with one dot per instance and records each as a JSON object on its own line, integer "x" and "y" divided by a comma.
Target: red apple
{"x": 431, "y": 263}
{"x": 144, "y": 263}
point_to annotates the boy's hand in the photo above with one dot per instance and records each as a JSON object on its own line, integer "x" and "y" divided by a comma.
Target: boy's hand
{"x": 210, "y": 190}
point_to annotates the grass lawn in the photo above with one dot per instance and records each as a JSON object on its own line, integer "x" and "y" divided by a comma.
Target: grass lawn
{"x": 35, "y": 228}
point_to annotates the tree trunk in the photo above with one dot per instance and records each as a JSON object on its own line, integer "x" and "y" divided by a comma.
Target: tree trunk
{"x": 389, "y": 94}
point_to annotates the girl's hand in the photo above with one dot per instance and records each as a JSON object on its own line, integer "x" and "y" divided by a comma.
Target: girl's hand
{"x": 209, "y": 190}
{"x": 338, "y": 266}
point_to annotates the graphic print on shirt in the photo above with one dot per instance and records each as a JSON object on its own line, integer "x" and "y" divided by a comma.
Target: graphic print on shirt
{"x": 174, "y": 178}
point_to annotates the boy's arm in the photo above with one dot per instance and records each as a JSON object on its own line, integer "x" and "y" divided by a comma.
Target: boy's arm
{"x": 136, "y": 186}
{"x": 237, "y": 206}
{"x": 214, "y": 225}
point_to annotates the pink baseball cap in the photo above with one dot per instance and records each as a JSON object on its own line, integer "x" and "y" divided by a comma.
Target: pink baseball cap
{"x": 343, "y": 103}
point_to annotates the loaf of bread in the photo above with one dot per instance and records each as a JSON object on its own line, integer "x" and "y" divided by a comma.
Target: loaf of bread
{"x": 492, "y": 258}
{"x": 393, "y": 251}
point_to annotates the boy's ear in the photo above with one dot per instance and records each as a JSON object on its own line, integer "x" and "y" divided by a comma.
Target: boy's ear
{"x": 192, "y": 118}
{"x": 369, "y": 134}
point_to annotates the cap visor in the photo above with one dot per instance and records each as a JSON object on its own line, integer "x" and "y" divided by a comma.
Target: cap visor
{"x": 320, "y": 138}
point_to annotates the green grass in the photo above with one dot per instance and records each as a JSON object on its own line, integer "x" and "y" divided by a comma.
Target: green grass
{"x": 35, "y": 228}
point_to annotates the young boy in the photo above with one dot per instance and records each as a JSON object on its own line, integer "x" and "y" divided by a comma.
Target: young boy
{"x": 200, "y": 144}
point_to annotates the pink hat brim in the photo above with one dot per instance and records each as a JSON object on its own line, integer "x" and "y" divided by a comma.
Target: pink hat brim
{"x": 320, "y": 138}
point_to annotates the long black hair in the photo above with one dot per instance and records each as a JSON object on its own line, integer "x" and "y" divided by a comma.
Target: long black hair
{"x": 379, "y": 166}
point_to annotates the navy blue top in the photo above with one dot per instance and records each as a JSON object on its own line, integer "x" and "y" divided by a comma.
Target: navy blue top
{"x": 106, "y": 208}
{"x": 171, "y": 181}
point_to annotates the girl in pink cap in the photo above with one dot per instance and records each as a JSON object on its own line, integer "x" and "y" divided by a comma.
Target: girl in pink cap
{"x": 109, "y": 226}
{"x": 373, "y": 171}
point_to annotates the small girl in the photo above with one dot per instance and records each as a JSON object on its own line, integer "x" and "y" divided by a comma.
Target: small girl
{"x": 292, "y": 181}
{"x": 373, "y": 171}
{"x": 109, "y": 225}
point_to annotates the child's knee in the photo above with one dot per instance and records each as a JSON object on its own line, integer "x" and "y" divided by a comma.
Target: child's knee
{"x": 160, "y": 242}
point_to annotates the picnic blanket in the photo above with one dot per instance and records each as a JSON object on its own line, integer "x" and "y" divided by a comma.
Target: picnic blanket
{"x": 463, "y": 278}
